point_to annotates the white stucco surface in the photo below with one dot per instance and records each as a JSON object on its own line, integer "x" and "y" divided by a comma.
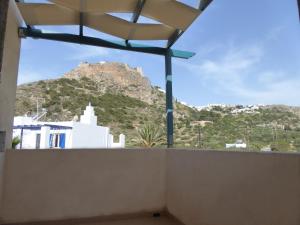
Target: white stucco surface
{"x": 1, "y": 177}
{"x": 196, "y": 187}
{"x": 83, "y": 134}
{"x": 50, "y": 185}
{"x": 92, "y": 136}
{"x": 10, "y": 65}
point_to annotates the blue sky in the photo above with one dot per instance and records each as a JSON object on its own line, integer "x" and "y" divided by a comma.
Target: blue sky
{"x": 248, "y": 52}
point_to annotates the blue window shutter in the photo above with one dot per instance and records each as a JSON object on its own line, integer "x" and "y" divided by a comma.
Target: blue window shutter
{"x": 62, "y": 140}
{"x": 51, "y": 141}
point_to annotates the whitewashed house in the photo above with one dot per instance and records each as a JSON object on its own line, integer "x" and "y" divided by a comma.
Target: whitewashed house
{"x": 237, "y": 144}
{"x": 69, "y": 134}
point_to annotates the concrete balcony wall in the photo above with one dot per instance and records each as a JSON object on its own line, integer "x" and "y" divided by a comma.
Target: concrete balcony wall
{"x": 1, "y": 175}
{"x": 232, "y": 188}
{"x": 54, "y": 185}
{"x": 196, "y": 187}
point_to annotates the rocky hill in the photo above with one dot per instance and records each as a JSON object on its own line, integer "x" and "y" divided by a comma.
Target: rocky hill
{"x": 124, "y": 100}
{"x": 122, "y": 96}
{"x": 115, "y": 78}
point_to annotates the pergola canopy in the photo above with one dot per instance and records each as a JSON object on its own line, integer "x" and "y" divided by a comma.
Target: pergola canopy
{"x": 172, "y": 16}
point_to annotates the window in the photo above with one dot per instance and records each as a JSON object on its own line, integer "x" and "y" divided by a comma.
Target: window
{"x": 57, "y": 140}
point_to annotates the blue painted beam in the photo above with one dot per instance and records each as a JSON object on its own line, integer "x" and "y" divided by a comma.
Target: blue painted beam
{"x": 80, "y": 24}
{"x": 39, "y": 126}
{"x": 169, "y": 99}
{"x": 122, "y": 45}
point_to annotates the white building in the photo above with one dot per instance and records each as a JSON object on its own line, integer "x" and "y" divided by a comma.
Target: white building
{"x": 69, "y": 134}
{"x": 237, "y": 144}
{"x": 266, "y": 149}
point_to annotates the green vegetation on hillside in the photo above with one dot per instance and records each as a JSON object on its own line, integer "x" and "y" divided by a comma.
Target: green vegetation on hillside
{"x": 151, "y": 135}
{"x": 277, "y": 127}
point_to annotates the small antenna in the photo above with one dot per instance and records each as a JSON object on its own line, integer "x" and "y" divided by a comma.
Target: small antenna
{"x": 38, "y": 106}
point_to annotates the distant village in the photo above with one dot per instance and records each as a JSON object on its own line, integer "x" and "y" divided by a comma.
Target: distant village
{"x": 235, "y": 109}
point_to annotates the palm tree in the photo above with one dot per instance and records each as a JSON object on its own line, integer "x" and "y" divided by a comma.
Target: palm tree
{"x": 15, "y": 141}
{"x": 150, "y": 135}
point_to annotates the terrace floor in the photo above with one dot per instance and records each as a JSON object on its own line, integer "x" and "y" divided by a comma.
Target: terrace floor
{"x": 139, "y": 220}
{"x": 163, "y": 220}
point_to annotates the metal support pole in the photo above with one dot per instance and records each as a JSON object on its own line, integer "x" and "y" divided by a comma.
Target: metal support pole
{"x": 82, "y": 6}
{"x": 81, "y": 24}
{"x": 299, "y": 7}
{"x": 169, "y": 98}
{"x": 21, "y": 139}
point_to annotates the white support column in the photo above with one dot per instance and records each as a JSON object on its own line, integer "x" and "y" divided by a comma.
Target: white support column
{"x": 45, "y": 137}
{"x": 107, "y": 137}
{"x": 110, "y": 141}
{"x": 10, "y": 53}
{"x": 122, "y": 140}
{"x": 9, "y": 73}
